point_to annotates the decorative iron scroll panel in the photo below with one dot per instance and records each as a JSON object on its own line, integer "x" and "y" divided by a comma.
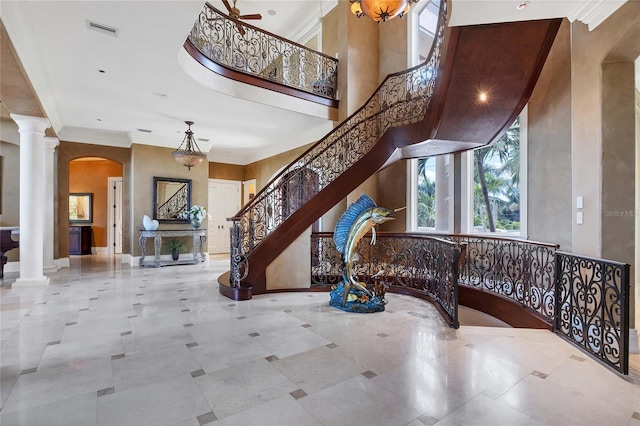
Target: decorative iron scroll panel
{"x": 422, "y": 264}
{"x": 593, "y": 307}
{"x": 401, "y": 99}
{"x": 262, "y": 54}
{"x": 519, "y": 270}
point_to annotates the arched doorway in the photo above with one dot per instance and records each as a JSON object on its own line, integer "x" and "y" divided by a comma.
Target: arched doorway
{"x": 95, "y": 206}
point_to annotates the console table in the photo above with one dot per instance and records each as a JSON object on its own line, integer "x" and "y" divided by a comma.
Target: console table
{"x": 199, "y": 237}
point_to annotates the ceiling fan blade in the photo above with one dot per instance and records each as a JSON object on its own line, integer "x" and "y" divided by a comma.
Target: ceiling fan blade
{"x": 253, "y": 16}
{"x": 227, "y": 5}
{"x": 240, "y": 29}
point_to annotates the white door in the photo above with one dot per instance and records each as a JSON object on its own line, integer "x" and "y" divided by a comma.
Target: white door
{"x": 224, "y": 202}
{"x": 114, "y": 225}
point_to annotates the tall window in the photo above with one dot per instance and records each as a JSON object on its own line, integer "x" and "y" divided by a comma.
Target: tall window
{"x": 496, "y": 185}
{"x": 426, "y": 192}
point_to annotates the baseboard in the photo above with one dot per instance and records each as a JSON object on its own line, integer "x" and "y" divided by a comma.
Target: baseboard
{"x": 15, "y": 266}
{"x": 12, "y": 267}
{"x": 99, "y": 250}
{"x": 127, "y": 259}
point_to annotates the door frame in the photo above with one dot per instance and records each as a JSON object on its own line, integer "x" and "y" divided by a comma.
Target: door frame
{"x": 210, "y": 201}
{"x": 111, "y": 203}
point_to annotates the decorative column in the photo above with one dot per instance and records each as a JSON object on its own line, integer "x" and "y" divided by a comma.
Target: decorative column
{"x": 50, "y": 145}
{"x": 31, "y": 199}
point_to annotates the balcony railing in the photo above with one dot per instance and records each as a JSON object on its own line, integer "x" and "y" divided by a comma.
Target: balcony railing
{"x": 584, "y": 300}
{"x": 262, "y": 54}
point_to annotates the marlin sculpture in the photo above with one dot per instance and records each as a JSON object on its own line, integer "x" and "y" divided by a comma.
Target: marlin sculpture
{"x": 356, "y": 221}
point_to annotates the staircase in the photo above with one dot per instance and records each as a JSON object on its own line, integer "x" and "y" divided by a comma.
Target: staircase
{"x": 431, "y": 109}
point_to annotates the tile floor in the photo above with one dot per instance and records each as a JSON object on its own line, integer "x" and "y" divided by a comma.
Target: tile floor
{"x": 106, "y": 344}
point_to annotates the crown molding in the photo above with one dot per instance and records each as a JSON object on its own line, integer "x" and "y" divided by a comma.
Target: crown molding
{"x": 95, "y": 137}
{"x": 593, "y": 13}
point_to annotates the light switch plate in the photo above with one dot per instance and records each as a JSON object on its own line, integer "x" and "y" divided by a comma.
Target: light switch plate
{"x": 579, "y": 202}
{"x": 579, "y": 218}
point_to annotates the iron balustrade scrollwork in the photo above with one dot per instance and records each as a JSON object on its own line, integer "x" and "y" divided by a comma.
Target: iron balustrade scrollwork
{"x": 423, "y": 265}
{"x": 592, "y": 305}
{"x": 402, "y": 98}
{"x": 523, "y": 271}
{"x": 585, "y": 300}
{"x": 263, "y": 54}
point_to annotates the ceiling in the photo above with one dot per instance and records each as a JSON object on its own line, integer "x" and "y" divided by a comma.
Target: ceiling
{"x": 97, "y": 88}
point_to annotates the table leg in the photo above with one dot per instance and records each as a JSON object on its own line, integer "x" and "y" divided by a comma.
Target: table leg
{"x": 157, "y": 246}
{"x": 143, "y": 246}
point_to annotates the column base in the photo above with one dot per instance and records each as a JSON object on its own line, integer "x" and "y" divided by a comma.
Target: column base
{"x": 31, "y": 282}
{"x": 47, "y": 269}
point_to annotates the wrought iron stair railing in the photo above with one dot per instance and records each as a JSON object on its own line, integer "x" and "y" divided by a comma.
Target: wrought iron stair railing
{"x": 402, "y": 99}
{"x": 263, "y": 55}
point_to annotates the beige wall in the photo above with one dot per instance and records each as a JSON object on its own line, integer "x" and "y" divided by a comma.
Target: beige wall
{"x": 589, "y": 50}
{"x": 392, "y": 194}
{"x": 10, "y": 190}
{"x": 68, "y": 151}
{"x": 549, "y": 148}
{"x": 149, "y": 162}
{"x": 226, "y": 171}
{"x": 262, "y": 171}
{"x": 281, "y": 274}
{"x": 92, "y": 176}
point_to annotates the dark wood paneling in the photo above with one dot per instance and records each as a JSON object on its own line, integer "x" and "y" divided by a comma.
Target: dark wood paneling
{"x": 500, "y": 307}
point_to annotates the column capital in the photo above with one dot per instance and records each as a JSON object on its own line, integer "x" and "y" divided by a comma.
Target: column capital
{"x": 30, "y": 123}
{"x": 51, "y": 142}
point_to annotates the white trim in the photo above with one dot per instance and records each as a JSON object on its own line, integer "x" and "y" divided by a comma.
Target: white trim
{"x": 412, "y": 195}
{"x": 100, "y": 250}
{"x": 524, "y": 171}
{"x": 466, "y": 194}
{"x": 63, "y": 262}
{"x": 111, "y": 182}
{"x": 127, "y": 259}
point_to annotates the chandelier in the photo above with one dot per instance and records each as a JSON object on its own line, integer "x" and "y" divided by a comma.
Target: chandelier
{"x": 381, "y": 10}
{"x": 191, "y": 155}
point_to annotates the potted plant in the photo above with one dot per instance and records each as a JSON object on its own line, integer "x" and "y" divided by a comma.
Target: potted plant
{"x": 175, "y": 247}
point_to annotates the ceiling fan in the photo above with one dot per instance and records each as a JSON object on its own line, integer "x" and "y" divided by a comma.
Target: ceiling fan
{"x": 234, "y": 13}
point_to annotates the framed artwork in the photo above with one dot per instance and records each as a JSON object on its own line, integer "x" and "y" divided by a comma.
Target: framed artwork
{"x": 80, "y": 207}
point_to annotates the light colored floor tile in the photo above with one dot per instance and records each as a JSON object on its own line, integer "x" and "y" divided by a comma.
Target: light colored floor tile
{"x": 441, "y": 385}
{"x": 223, "y": 354}
{"x": 283, "y": 411}
{"x": 359, "y": 401}
{"x": 76, "y": 411}
{"x": 147, "y": 367}
{"x": 417, "y": 365}
{"x": 238, "y": 388}
{"x": 89, "y": 329}
{"x": 54, "y": 384}
{"x": 565, "y": 404}
{"x": 156, "y": 340}
{"x": 483, "y": 411}
{"x": 290, "y": 341}
{"x": 317, "y": 369}
{"x": 164, "y": 402}
{"x": 79, "y": 351}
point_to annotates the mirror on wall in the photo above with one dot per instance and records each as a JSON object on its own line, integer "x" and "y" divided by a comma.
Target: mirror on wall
{"x": 80, "y": 207}
{"x": 171, "y": 196}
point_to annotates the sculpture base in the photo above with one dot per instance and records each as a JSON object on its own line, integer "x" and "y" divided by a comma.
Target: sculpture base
{"x": 357, "y": 301}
